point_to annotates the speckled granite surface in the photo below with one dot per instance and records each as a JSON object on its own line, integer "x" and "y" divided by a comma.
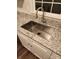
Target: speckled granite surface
{"x": 22, "y": 18}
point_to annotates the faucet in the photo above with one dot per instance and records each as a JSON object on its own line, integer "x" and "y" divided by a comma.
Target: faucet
{"x": 43, "y": 19}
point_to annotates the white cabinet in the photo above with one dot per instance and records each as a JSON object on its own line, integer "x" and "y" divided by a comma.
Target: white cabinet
{"x": 35, "y": 47}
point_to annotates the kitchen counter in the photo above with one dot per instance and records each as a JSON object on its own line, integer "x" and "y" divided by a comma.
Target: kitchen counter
{"x": 23, "y": 18}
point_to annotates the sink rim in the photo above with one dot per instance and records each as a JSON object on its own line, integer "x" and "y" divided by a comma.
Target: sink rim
{"x": 39, "y": 31}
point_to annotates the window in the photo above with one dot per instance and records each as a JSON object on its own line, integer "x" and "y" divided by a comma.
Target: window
{"x": 51, "y": 6}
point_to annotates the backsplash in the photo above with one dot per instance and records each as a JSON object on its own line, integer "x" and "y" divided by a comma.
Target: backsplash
{"x": 56, "y": 22}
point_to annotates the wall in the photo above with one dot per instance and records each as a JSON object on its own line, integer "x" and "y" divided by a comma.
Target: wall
{"x": 28, "y": 6}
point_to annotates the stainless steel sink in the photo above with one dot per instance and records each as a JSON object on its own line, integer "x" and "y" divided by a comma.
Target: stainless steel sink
{"x": 39, "y": 29}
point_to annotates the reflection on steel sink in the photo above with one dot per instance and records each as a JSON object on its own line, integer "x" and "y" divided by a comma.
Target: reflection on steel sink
{"x": 39, "y": 29}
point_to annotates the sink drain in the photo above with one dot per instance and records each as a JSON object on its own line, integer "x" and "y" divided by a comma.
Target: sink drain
{"x": 38, "y": 33}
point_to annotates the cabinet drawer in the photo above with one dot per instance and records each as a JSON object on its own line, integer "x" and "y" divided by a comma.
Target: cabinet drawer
{"x": 36, "y": 48}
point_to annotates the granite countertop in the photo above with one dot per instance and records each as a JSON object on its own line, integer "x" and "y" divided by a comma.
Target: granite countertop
{"x": 22, "y": 18}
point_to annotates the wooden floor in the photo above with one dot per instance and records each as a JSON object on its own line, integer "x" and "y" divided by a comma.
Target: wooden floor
{"x": 23, "y": 53}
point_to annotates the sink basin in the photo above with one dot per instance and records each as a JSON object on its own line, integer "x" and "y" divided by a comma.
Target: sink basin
{"x": 41, "y": 30}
